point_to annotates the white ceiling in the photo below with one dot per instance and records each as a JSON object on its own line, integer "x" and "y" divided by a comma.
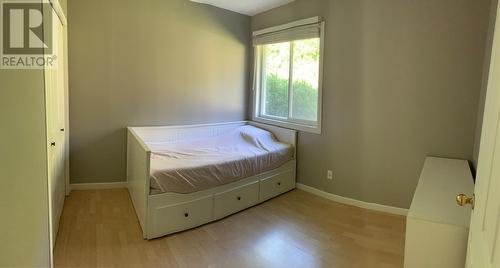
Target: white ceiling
{"x": 247, "y": 7}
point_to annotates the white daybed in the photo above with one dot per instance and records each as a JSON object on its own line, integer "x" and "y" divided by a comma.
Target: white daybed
{"x": 163, "y": 212}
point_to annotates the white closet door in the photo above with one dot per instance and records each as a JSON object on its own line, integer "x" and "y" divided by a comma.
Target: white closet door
{"x": 56, "y": 127}
{"x": 484, "y": 236}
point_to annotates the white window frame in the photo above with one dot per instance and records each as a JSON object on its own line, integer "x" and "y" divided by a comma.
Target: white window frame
{"x": 297, "y": 124}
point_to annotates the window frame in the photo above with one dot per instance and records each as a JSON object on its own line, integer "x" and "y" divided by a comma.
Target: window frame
{"x": 258, "y": 104}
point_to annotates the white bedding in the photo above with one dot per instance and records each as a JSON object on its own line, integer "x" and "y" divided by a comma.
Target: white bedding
{"x": 193, "y": 165}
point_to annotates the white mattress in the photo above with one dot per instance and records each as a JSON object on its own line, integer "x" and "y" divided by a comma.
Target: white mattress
{"x": 193, "y": 165}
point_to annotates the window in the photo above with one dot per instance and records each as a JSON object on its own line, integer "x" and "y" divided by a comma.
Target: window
{"x": 288, "y": 75}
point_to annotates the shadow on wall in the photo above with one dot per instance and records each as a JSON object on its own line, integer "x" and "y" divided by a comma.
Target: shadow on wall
{"x": 484, "y": 85}
{"x": 97, "y": 158}
{"x": 223, "y": 19}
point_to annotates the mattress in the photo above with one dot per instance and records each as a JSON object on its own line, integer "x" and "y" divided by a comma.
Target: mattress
{"x": 193, "y": 165}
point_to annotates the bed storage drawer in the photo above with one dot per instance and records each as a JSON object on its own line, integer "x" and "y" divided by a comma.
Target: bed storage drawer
{"x": 276, "y": 184}
{"x": 236, "y": 199}
{"x": 182, "y": 216}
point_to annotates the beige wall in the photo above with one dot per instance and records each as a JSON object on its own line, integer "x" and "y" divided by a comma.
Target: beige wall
{"x": 24, "y": 208}
{"x": 156, "y": 62}
{"x": 23, "y": 170}
{"x": 24, "y": 241}
{"x": 401, "y": 81}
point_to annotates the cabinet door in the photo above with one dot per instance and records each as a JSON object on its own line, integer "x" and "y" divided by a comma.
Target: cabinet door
{"x": 56, "y": 126}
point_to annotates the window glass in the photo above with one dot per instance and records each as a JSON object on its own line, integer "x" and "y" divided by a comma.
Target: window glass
{"x": 275, "y": 75}
{"x": 305, "y": 77}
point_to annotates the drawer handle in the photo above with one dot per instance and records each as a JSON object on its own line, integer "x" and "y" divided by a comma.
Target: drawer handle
{"x": 186, "y": 215}
{"x": 239, "y": 197}
{"x": 279, "y": 183}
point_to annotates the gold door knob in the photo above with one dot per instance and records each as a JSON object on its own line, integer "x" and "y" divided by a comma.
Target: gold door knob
{"x": 463, "y": 200}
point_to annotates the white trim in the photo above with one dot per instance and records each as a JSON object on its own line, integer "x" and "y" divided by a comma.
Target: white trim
{"x": 353, "y": 202}
{"x": 287, "y": 124}
{"x": 314, "y": 127}
{"x": 289, "y": 25}
{"x": 320, "y": 84}
{"x": 98, "y": 186}
{"x": 56, "y": 5}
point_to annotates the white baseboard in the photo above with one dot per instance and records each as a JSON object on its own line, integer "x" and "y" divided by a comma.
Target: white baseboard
{"x": 98, "y": 186}
{"x": 353, "y": 202}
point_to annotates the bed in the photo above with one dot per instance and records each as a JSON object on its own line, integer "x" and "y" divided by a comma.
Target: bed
{"x": 180, "y": 177}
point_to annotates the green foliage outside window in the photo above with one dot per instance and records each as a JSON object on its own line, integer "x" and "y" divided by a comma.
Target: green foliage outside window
{"x": 304, "y": 98}
{"x": 305, "y": 74}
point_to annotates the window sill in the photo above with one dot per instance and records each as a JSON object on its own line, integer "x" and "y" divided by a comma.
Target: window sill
{"x": 290, "y": 125}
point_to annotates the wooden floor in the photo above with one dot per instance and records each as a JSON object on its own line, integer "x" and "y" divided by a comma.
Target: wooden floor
{"x": 297, "y": 229}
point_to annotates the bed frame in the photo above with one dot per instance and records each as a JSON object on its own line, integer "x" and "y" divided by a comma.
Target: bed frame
{"x": 167, "y": 213}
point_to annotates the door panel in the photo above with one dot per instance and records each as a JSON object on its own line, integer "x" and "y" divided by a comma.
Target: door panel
{"x": 483, "y": 251}
{"x": 56, "y": 127}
